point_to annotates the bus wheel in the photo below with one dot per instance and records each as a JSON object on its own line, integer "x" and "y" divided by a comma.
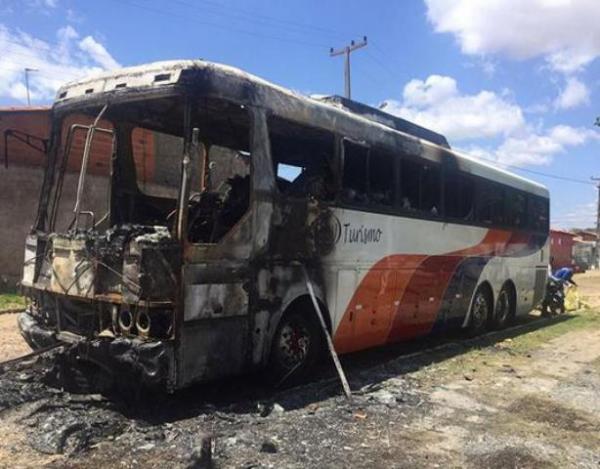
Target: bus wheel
{"x": 296, "y": 347}
{"x": 503, "y": 311}
{"x": 480, "y": 312}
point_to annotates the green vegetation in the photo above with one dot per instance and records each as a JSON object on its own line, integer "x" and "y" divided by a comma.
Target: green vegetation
{"x": 516, "y": 348}
{"x": 582, "y": 319}
{"x": 10, "y": 301}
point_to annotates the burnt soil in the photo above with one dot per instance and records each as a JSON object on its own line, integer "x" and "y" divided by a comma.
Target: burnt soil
{"x": 525, "y": 397}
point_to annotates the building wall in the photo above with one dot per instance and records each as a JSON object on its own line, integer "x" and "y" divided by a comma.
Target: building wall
{"x": 158, "y": 165}
{"x": 21, "y": 177}
{"x": 561, "y": 249}
{"x": 21, "y": 174}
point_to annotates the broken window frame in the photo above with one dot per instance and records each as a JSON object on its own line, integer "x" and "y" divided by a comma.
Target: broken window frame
{"x": 204, "y": 146}
{"x": 57, "y": 178}
{"x": 332, "y": 159}
{"x": 342, "y": 198}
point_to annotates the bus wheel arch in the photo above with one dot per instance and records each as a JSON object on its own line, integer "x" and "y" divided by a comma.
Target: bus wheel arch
{"x": 505, "y": 306}
{"x": 481, "y": 309}
{"x": 297, "y": 340}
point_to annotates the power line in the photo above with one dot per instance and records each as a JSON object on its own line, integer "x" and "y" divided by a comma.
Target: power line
{"x": 538, "y": 173}
{"x": 20, "y": 65}
{"x": 252, "y": 16}
{"x": 203, "y": 22}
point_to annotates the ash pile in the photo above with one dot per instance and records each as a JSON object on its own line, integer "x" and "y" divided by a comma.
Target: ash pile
{"x": 239, "y": 423}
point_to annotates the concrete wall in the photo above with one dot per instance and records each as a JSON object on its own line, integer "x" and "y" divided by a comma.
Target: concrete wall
{"x": 18, "y": 207}
{"x": 21, "y": 174}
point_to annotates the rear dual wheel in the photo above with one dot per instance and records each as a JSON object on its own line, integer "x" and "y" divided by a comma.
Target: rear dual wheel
{"x": 503, "y": 311}
{"x": 480, "y": 313}
{"x": 483, "y": 316}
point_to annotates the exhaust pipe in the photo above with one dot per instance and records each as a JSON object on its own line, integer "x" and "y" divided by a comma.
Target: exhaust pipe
{"x": 143, "y": 323}
{"x": 125, "y": 321}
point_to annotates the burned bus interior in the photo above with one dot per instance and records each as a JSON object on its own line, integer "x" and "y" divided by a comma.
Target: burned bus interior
{"x": 148, "y": 137}
{"x": 118, "y": 248}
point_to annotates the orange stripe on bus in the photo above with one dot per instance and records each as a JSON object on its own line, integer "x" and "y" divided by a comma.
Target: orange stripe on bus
{"x": 400, "y": 297}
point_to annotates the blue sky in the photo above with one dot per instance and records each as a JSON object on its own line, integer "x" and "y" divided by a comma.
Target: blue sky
{"x": 509, "y": 81}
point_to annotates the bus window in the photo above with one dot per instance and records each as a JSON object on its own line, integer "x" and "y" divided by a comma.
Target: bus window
{"x": 409, "y": 185}
{"x": 303, "y": 159}
{"x": 420, "y": 187}
{"x": 221, "y": 196}
{"x": 354, "y": 183}
{"x": 157, "y": 158}
{"x": 516, "y": 208}
{"x": 538, "y": 213}
{"x": 430, "y": 190}
{"x": 490, "y": 203}
{"x": 458, "y": 196}
{"x": 381, "y": 178}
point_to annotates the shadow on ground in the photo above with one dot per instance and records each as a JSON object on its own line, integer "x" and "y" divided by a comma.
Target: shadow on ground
{"x": 367, "y": 368}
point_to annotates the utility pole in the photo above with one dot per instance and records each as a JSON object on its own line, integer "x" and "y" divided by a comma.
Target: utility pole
{"x": 346, "y": 51}
{"x": 597, "y": 181}
{"x": 27, "y": 70}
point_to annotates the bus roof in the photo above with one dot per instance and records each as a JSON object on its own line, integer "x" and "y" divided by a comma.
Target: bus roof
{"x": 157, "y": 75}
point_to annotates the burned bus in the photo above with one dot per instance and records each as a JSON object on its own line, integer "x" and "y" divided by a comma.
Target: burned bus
{"x": 226, "y": 201}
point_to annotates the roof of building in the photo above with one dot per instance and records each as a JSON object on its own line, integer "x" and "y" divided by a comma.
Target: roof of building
{"x": 24, "y": 108}
{"x": 562, "y": 232}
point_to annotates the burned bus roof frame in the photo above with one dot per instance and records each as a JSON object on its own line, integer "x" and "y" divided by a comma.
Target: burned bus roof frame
{"x": 206, "y": 79}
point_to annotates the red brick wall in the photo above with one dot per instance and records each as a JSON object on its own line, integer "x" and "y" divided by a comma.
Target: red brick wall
{"x": 37, "y": 123}
{"x": 561, "y": 249}
{"x": 21, "y": 182}
{"x": 32, "y": 122}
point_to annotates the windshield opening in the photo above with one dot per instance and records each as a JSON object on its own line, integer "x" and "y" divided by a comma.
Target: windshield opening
{"x": 133, "y": 175}
{"x": 94, "y": 196}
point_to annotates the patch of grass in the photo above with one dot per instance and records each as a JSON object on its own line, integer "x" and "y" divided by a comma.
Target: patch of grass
{"x": 510, "y": 350}
{"x": 9, "y": 301}
{"x": 583, "y": 319}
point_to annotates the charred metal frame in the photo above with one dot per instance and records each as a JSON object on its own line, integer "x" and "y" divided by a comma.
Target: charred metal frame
{"x": 226, "y": 298}
{"x": 249, "y": 271}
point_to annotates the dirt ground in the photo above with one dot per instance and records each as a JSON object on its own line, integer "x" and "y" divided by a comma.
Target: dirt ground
{"x": 12, "y": 344}
{"x": 589, "y": 286}
{"x": 525, "y": 397}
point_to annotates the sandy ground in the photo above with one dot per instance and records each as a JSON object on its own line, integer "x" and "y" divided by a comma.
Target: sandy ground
{"x": 12, "y": 344}
{"x": 589, "y": 286}
{"x": 527, "y": 397}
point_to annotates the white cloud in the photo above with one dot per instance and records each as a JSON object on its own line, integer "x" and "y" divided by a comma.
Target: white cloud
{"x": 68, "y": 59}
{"x": 470, "y": 119}
{"x": 43, "y": 6}
{"x": 574, "y": 94}
{"x": 98, "y": 52}
{"x": 437, "y": 103}
{"x": 73, "y": 17}
{"x": 564, "y": 32}
{"x": 535, "y": 148}
{"x": 580, "y": 216}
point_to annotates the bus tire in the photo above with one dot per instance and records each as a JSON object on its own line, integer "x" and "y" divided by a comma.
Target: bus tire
{"x": 505, "y": 307}
{"x": 296, "y": 347}
{"x": 480, "y": 313}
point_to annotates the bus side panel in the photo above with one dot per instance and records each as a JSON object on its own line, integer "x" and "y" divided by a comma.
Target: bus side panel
{"x": 213, "y": 348}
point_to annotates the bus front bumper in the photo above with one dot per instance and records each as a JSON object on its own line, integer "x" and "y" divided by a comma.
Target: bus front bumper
{"x": 145, "y": 362}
